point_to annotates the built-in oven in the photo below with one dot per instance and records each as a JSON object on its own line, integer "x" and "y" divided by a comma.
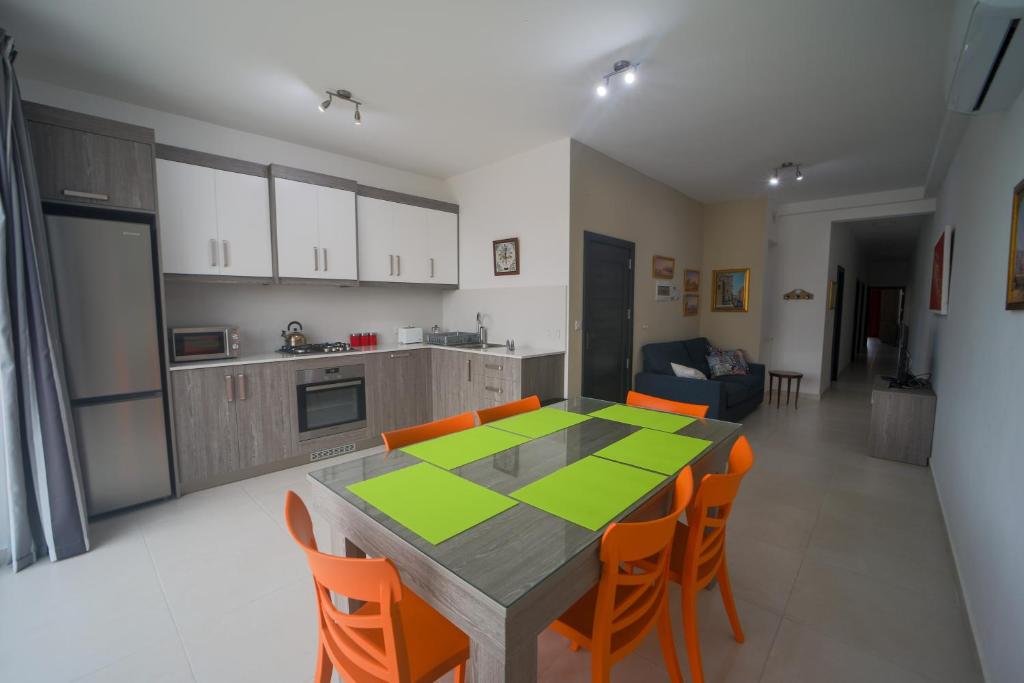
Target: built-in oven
{"x": 331, "y": 400}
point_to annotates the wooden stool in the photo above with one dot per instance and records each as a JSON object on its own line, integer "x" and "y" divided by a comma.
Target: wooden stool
{"x": 789, "y": 377}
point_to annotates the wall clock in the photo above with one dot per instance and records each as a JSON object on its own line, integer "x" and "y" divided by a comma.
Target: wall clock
{"x": 506, "y": 256}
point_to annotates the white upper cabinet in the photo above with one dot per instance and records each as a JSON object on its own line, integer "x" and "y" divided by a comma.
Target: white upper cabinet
{"x": 213, "y": 222}
{"x": 316, "y": 231}
{"x": 243, "y": 225}
{"x": 404, "y": 243}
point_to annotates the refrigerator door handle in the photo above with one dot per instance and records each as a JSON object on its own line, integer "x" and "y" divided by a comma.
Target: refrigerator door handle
{"x": 229, "y": 388}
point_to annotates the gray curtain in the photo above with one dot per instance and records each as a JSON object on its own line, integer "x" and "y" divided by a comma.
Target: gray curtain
{"x": 37, "y": 445}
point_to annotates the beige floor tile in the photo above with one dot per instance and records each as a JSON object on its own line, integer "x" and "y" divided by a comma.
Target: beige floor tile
{"x": 761, "y": 573}
{"x": 802, "y": 654}
{"x": 159, "y": 662}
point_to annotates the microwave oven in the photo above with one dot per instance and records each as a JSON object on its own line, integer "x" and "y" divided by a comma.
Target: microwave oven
{"x": 204, "y": 343}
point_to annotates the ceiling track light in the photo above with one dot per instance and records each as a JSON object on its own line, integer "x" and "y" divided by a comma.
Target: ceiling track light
{"x": 624, "y": 68}
{"x": 346, "y": 96}
{"x": 784, "y": 167}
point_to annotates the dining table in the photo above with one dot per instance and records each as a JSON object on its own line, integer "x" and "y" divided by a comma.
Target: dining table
{"x": 505, "y": 579}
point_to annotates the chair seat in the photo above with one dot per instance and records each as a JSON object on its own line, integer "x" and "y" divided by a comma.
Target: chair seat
{"x": 429, "y": 657}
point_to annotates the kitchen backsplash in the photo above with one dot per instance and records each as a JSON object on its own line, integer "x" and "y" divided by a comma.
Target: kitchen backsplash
{"x": 326, "y": 313}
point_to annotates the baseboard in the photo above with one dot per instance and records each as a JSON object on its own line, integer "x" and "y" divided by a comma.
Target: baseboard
{"x": 959, "y": 583}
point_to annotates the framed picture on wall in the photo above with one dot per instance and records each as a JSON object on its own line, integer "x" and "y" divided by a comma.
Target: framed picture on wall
{"x": 506, "y": 256}
{"x": 691, "y": 304}
{"x": 1015, "y": 275}
{"x": 731, "y": 292}
{"x": 664, "y": 267}
{"x": 942, "y": 256}
{"x": 691, "y": 280}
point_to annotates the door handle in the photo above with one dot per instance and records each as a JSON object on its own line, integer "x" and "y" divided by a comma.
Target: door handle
{"x": 495, "y": 390}
{"x": 398, "y": 355}
{"x": 213, "y": 253}
{"x": 431, "y": 266}
{"x": 398, "y": 265}
{"x": 325, "y": 259}
{"x": 80, "y": 194}
{"x": 224, "y": 245}
{"x": 316, "y": 258}
{"x": 469, "y": 370}
{"x": 229, "y": 388}
{"x": 494, "y": 367}
{"x": 391, "y": 264}
{"x": 242, "y": 394}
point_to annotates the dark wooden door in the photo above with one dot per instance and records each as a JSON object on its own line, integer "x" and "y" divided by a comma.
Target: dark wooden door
{"x": 607, "y": 316}
{"x": 837, "y": 323}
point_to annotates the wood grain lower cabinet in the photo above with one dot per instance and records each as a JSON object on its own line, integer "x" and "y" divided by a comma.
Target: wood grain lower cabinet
{"x": 228, "y": 420}
{"x": 400, "y": 388}
{"x": 470, "y": 381}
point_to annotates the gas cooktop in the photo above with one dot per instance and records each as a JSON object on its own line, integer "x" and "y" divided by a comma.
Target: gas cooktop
{"x": 329, "y": 347}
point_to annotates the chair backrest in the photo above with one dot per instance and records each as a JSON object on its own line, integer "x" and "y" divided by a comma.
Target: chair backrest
{"x": 707, "y": 517}
{"x": 629, "y": 596}
{"x": 429, "y": 430}
{"x": 635, "y": 398}
{"x": 367, "y": 644}
{"x": 523, "y": 405}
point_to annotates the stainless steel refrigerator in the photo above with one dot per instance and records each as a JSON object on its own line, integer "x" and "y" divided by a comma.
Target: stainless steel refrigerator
{"x": 104, "y": 275}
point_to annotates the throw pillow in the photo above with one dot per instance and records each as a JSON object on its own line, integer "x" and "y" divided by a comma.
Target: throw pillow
{"x": 689, "y": 373}
{"x": 727, "y": 363}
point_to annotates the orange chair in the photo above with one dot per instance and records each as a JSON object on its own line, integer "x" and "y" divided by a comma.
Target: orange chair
{"x": 429, "y": 430}
{"x": 698, "y": 551}
{"x": 615, "y": 616}
{"x": 523, "y": 405}
{"x": 638, "y": 400}
{"x": 394, "y": 637}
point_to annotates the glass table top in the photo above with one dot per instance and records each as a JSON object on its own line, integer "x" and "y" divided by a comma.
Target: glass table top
{"x": 505, "y": 556}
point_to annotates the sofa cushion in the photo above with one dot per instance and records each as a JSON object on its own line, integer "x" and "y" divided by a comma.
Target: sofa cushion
{"x": 724, "y": 363}
{"x": 659, "y": 357}
{"x": 697, "y": 350}
{"x": 688, "y": 372}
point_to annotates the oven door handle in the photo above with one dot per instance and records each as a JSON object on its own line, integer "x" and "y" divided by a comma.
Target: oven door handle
{"x": 337, "y": 385}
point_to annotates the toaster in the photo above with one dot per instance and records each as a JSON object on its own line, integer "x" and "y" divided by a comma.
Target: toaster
{"x": 410, "y": 335}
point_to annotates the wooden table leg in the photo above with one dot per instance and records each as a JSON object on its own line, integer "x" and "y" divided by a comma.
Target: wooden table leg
{"x": 341, "y": 545}
{"x": 778, "y": 396}
{"x": 796, "y": 401}
{"x": 789, "y": 388}
{"x": 516, "y": 664}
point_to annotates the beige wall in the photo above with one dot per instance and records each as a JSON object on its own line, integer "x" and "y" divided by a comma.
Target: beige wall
{"x": 613, "y": 199}
{"x": 734, "y": 237}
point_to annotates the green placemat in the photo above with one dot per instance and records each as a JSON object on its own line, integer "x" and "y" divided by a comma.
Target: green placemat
{"x": 590, "y": 492}
{"x": 641, "y": 417}
{"x": 655, "y": 451}
{"x": 461, "y": 448}
{"x": 431, "y": 502}
{"x": 540, "y": 422}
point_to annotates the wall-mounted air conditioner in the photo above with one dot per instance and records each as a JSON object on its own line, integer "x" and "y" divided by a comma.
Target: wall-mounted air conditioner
{"x": 990, "y": 68}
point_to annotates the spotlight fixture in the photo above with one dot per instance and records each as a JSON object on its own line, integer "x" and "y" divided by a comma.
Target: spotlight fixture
{"x": 784, "y": 167}
{"x": 346, "y": 96}
{"x": 623, "y": 67}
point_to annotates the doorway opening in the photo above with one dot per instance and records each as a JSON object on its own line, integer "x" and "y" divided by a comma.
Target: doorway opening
{"x": 607, "y": 316}
{"x": 837, "y": 321}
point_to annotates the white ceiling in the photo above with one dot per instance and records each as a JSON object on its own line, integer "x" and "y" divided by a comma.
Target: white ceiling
{"x": 888, "y": 239}
{"x": 728, "y": 88}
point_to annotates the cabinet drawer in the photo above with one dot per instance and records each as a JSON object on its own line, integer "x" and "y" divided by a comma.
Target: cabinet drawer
{"x": 89, "y": 168}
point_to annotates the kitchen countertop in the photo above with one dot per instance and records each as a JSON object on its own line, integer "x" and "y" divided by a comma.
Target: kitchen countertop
{"x": 274, "y": 357}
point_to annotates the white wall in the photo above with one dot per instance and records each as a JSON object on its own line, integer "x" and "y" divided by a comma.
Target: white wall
{"x": 799, "y": 258}
{"x": 182, "y": 131}
{"x": 326, "y": 313}
{"x": 525, "y": 196}
{"x": 974, "y": 355}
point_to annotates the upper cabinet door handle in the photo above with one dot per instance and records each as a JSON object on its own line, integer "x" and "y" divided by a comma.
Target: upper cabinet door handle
{"x": 224, "y": 246}
{"x": 431, "y": 266}
{"x": 391, "y": 264}
{"x": 213, "y": 253}
{"x": 398, "y": 263}
{"x": 316, "y": 258}
{"x": 325, "y": 259}
{"x": 80, "y": 194}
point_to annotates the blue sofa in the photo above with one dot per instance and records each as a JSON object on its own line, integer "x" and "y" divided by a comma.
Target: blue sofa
{"x": 728, "y": 398}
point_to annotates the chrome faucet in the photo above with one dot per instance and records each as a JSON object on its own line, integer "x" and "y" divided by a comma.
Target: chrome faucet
{"x": 480, "y": 329}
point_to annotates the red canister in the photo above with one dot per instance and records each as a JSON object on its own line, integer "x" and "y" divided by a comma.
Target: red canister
{"x": 353, "y": 339}
{"x": 373, "y": 339}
